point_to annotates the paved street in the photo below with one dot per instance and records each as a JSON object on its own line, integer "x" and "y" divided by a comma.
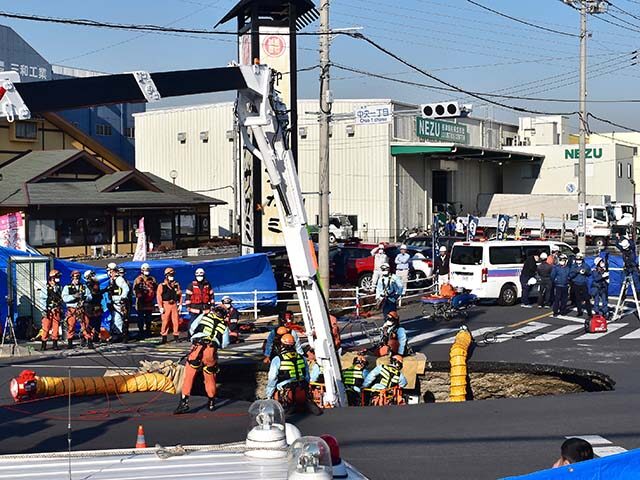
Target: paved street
{"x": 481, "y": 439}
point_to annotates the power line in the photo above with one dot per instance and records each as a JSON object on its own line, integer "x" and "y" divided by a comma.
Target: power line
{"x": 420, "y": 70}
{"x": 524, "y": 22}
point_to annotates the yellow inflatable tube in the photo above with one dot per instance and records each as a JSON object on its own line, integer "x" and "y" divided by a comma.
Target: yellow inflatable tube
{"x": 28, "y": 385}
{"x": 458, "y": 360}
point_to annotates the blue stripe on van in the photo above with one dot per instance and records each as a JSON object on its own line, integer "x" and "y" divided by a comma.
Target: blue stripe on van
{"x": 507, "y": 272}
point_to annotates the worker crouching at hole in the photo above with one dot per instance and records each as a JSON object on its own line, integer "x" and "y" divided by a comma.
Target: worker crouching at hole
{"x": 289, "y": 376}
{"x": 209, "y": 332}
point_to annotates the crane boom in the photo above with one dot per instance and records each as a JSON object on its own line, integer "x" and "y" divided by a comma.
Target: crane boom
{"x": 264, "y": 124}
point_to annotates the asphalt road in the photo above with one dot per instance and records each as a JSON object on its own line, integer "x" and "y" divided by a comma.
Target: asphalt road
{"x": 473, "y": 440}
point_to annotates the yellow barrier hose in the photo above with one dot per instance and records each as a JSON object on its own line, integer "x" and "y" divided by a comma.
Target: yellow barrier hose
{"x": 458, "y": 359}
{"x": 27, "y": 385}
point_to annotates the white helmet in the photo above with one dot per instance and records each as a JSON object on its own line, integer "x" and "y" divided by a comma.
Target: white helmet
{"x": 624, "y": 243}
{"x": 598, "y": 261}
{"x": 555, "y": 248}
{"x": 442, "y": 249}
{"x": 227, "y": 300}
{"x": 199, "y": 272}
{"x": 144, "y": 266}
{"x": 88, "y": 274}
{"x": 403, "y": 247}
{"x": 579, "y": 256}
{"x": 543, "y": 256}
{"x": 112, "y": 266}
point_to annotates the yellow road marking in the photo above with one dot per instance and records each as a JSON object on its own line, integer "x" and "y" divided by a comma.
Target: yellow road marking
{"x": 524, "y": 322}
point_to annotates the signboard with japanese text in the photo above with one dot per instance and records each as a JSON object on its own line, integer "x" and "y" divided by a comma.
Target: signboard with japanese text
{"x": 17, "y": 55}
{"x": 441, "y": 131}
{"x": 374, "y": 114}
{"x": 12, "y": 232}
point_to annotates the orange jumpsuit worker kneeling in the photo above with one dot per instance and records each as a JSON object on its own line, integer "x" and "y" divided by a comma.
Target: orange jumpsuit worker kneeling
{"x": 209, "y": 332}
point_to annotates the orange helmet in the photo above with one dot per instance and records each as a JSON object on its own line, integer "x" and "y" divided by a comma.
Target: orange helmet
{"x": 360, "y": 361}
{"x": 282, "y": 331}
{"x": 169, "y": 271}
{"x": 54, "y": 273}
{"x": 393, "y": 314}
{"x": 396, "y": 361}
{"x": 288, "y": 340}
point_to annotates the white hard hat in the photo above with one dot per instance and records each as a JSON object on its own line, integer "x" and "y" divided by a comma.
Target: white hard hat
{"x": 384, "y": 266}
{"x": 200, "y": 271}
{"x": 145, "y": 266}
{"x": 598, "y": 261}
{"x": 226, "y": 299}
{"x": 442, "y": 249}
{"x": 112, "y": 266}
{"x": 579, "y": 255}
{"x": 624, "y": 243}
{"x": 403, "y": 247}
{"x": 555, "y": 248}
{"x": 88, "y": 274}
{"x": 543, "y": 256}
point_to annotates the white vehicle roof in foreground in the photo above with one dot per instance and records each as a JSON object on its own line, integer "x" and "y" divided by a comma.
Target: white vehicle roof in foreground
{"x": 193, "y": 463}
{"x": 508, "y": 243}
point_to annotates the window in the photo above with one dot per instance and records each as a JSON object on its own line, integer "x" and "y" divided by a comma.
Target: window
{"x": 182, "y": 137}
{"x": 42, "y": 232}
{"x": 536, "y": 249}
{"x": 26, "y": 131}
{"x": 98, "y": 230}
{"x": 629, "y": 173}
{"x": 464, "y": 255}
{"x": 203, "y": 224}
{"x": 103, "y": 129}
{"x": 186, "y": 224}
{"x": 600, "y": 214}
{"x": 71, "y": 231}
{"x": 166, "y": 229}
{"x": 505, "y": 255}
{"x": 130, "y": 132}
{"x": 204, "y": 137}
{"x": 619, "y": 169}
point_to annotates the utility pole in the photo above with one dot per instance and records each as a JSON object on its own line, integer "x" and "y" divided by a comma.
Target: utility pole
{"x": 325, "y": 118}
{"x": 582, "y": 165}
{"x": 585, "y": 7}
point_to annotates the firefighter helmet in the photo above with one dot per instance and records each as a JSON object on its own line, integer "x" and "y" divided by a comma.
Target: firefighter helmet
{"x": 54, "y": 273}
{"x": 169, "y": 271}
{"x": 282, "y": 331}
{"x": 396, "y": 361}
{"x": 75, "y": 273}
{"x": 287, "y": 340}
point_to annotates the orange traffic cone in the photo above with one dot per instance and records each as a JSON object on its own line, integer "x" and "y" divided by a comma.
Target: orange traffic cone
{"x": 140, "y": 441}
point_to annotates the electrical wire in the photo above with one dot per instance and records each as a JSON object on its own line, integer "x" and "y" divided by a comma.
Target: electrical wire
{"x": 524, "y": 22}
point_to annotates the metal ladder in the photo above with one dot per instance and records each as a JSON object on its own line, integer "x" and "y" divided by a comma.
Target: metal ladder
{"x": 618, "y": 313}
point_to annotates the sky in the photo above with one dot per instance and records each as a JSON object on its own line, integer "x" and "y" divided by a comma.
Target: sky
{"x": 455, "y": 40}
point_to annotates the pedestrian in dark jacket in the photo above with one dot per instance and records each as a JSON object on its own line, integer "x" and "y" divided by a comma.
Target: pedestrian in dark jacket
{"x": 560, "y": 279}
{"x": 544, "y": 278}
{"x": 579, "y": 276}
{"x": 529, "y": 271}
{"x": 600, "y": 287}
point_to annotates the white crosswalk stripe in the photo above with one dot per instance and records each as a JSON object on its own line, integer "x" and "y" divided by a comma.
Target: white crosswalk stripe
{"x": 477, "y": 334}
{"x": 434, "y": 334}
{"x": 546, "y": 337}
{"x": 612, "y": 327}
{"x": 531, "y": 327}
{"x": 632, "y": 336}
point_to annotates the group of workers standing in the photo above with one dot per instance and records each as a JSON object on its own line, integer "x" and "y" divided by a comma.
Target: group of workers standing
{"x": 81, "y": 303}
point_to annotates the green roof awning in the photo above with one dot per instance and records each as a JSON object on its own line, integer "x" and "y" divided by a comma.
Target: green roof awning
{"x": 453, "y": 151}
{"x": 414, "y": 149}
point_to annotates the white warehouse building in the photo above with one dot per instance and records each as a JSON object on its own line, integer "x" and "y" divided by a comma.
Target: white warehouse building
{"x": 387, "y": 176}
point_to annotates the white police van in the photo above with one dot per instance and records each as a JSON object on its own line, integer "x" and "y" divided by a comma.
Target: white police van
{"x": 491, "y": 269}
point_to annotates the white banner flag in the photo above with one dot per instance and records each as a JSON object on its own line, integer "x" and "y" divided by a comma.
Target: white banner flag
{"x": 141, "y": 246}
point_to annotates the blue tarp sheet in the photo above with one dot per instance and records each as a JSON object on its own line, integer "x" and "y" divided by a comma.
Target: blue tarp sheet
{"x": 229, "y": 275}
{"x": 624, "y": 466}
{"x": 616, "y": 273}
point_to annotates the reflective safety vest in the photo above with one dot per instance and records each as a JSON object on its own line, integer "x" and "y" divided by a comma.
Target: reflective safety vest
{"x": 199, "y": 295}
{"x": 292, "y": 366}
{"x": 353, "y": 377}
{"x": 389, "y": 377}
{"x": 114, "y": 289}
{"x": 73, "y": 289}
{"x": 212, "y": 327}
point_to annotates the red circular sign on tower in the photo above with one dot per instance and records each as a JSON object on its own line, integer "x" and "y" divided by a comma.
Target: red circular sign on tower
{"x": 274, "y": 46}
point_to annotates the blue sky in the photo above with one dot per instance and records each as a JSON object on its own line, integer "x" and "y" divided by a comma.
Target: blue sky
{"x": 454, "y": 39}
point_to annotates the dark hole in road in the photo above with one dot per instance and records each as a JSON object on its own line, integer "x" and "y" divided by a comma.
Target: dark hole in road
{"x": 486, "y": 380}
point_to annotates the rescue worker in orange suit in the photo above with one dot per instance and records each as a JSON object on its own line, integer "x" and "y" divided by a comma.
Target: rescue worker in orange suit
{"x": 384, "y": 377}
{"x": 169, "y": 297}
{"x": 199, "y": 296}
{"x": 52, "y": 298}
{"x": 74, "y": 296}
{"x": 233, "y": 317}
{"x": 145, "y": 287}
{"x": 273, "y": 343}
{"x": 209, "y": 333}
{"x": 93, "y": 306}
